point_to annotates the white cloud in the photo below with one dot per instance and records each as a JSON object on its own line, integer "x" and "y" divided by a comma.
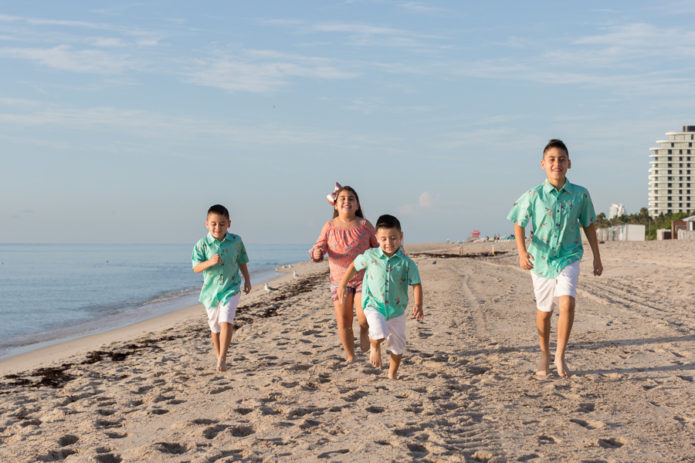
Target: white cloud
{"x": 261, "y": 71}
{"x": 426, "y": 200}
{"x": 66, "y": 58}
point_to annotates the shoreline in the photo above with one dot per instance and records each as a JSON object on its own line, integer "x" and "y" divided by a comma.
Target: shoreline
{"x": 60, "y": 349}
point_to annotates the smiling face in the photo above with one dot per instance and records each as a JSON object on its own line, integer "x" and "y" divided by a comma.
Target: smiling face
{"x": 346, "y": 204}
{"x": 389, "y": 240}
{"x": 217, "y": 225}
{"x": 555, "y": 163}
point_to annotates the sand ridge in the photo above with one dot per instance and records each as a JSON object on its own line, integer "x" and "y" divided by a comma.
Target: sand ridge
{"x": 466, "y": 391}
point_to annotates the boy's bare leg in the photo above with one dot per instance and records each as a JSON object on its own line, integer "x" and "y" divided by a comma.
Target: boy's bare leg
{"x": 394, "y": 363}
{"x": 543, "y": 326}
{"x": 364, "y": 327}
{"x": 564, "y": 328}
{"x": 216, "y": 343}
{"x": 225, "y": 338}
{"x": 375, "y": 352}
{"x": 343, "y": 315}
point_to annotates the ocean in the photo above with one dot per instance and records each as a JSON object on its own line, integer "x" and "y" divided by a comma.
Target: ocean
{"x": 56, "y": 292}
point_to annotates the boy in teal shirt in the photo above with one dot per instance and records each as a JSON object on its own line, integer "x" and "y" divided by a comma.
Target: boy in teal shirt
{"x": 221, "y": 255}
{"x": 555, "y": 209}
{"x": 385, "y": 291}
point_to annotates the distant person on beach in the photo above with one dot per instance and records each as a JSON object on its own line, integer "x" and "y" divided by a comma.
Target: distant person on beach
{"x": 388, "y": 274}
{"x": 221, "y": 255}
{"x": 343, "y": 238}
{"x": 556, "y": 210}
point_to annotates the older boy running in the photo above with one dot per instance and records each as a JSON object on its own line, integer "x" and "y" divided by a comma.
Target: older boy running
{"x": 555, "y": 209}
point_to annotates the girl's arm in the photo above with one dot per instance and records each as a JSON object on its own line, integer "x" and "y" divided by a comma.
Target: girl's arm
{"x": 321, "y": 246}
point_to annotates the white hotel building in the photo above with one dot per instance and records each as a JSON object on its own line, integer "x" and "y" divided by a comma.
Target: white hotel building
{"x": 672, "y": 173}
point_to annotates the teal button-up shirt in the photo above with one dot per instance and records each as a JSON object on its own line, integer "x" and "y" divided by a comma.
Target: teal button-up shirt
{"x": 555, "y": 216}
{"x": 386, "y": 280}
{"x": 221, "y": 281}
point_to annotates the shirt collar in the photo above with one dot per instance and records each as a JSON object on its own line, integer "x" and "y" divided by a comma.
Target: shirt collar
{"x": 547, "y": 187}
{"x": 211, "y": 239}
{"x": 380, "y": 253}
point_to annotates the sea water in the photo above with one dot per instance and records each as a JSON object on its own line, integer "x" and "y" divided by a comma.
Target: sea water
{"x": 55, "y": 292}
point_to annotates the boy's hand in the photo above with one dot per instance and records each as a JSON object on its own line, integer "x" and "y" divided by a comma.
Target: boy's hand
{"x": 247, "y": 286}
{"x": 598, "y": 266}
{"x": 214, "y": 260}
{"x": 526, "y": 261}
{"x": 316, "y": 254}
{"x": 417, "y": 312}
{"x": 341, "y": 292}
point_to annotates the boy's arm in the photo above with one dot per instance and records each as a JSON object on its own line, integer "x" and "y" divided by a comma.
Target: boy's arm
{"x": 590, "y": 233}
{"x": 418, "y": 312}
{"x": 525, "y": 259}
{"x": 214, "y": 260}
{"x": 349, "y": 273}
{"x": 247, "y": 279}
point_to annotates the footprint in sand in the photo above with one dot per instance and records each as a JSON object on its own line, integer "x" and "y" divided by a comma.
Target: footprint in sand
{"x": 545, "y": 440}
{"x": 213, "y": 431}
{"x": 611, "y": 443}
{"x": 588, "y": 424}
{"x": 242, "y": 431}
{"x": 108, "y": 458}
{"x": 56, "y": 455}
{"x": 68, "y": 439}
{"x": 171, "y": 448}
{"x": 116, "y": 435}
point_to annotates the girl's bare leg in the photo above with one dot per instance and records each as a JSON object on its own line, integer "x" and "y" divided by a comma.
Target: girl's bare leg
{"x": 343, "y": 315}
{"x": 362, "y": 319}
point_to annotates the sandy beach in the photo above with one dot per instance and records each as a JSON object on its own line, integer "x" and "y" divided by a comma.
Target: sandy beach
{"x": 467, "y": 389}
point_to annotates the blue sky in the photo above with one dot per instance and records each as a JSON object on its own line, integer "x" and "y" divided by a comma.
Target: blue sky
{"x": 123, "y": 122}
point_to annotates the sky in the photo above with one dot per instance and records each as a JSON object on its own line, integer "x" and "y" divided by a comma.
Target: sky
{"x": 124, "y": 121}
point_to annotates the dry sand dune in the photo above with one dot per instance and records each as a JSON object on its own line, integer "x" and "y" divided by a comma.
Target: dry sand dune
{"x": 467, "y": 391}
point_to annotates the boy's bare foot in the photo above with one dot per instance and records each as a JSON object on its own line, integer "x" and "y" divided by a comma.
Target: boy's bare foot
{"x": 543, "y": 365}
{"x": 349, "y": 359}
{"x": 375, "y": 356}
{"x": 562, "y": 369}
{"x": 393, "y": 375}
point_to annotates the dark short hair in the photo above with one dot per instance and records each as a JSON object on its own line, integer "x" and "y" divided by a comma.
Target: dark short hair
{"x": 358, "y": 212}
{"x": 388, "y": 221}
{"x": 555, "y": 143}
{"x": 219, "y": 209}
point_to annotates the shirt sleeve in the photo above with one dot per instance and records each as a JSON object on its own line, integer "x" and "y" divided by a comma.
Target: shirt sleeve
{"x": 360, "y": 261}
{"x": 413, "y": 273}
{"x": 587, "y": 215}
{"x": 521, "y": 211}
{"x": 321, "y": 243}
{"x": 198, "y": 253}
{"x": 242, "y": 258}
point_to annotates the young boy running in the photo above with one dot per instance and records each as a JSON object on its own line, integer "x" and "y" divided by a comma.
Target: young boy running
{"x": 555, "y": 209}
{"x": 221, "y": 255}
{"x": 385, "y": 291}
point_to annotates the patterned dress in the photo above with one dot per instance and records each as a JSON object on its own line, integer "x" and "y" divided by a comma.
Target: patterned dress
{"x": 342, "y": 246}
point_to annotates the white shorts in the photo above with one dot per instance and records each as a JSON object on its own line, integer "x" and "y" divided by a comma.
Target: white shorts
{"x": 393, "y": 330}
{"x": 223, "y": 313}
{"x": 547, "y": 290}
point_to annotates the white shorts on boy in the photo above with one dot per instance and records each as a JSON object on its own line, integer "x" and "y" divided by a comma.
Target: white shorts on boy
{"x": 223, "y": 313}
{"x": 547, "y": 290}
{"x": 392, "y": 331}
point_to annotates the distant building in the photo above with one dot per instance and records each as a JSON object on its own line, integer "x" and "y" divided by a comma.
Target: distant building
{"x": 616, "y": 210}
{"x": 672, "y": 173}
